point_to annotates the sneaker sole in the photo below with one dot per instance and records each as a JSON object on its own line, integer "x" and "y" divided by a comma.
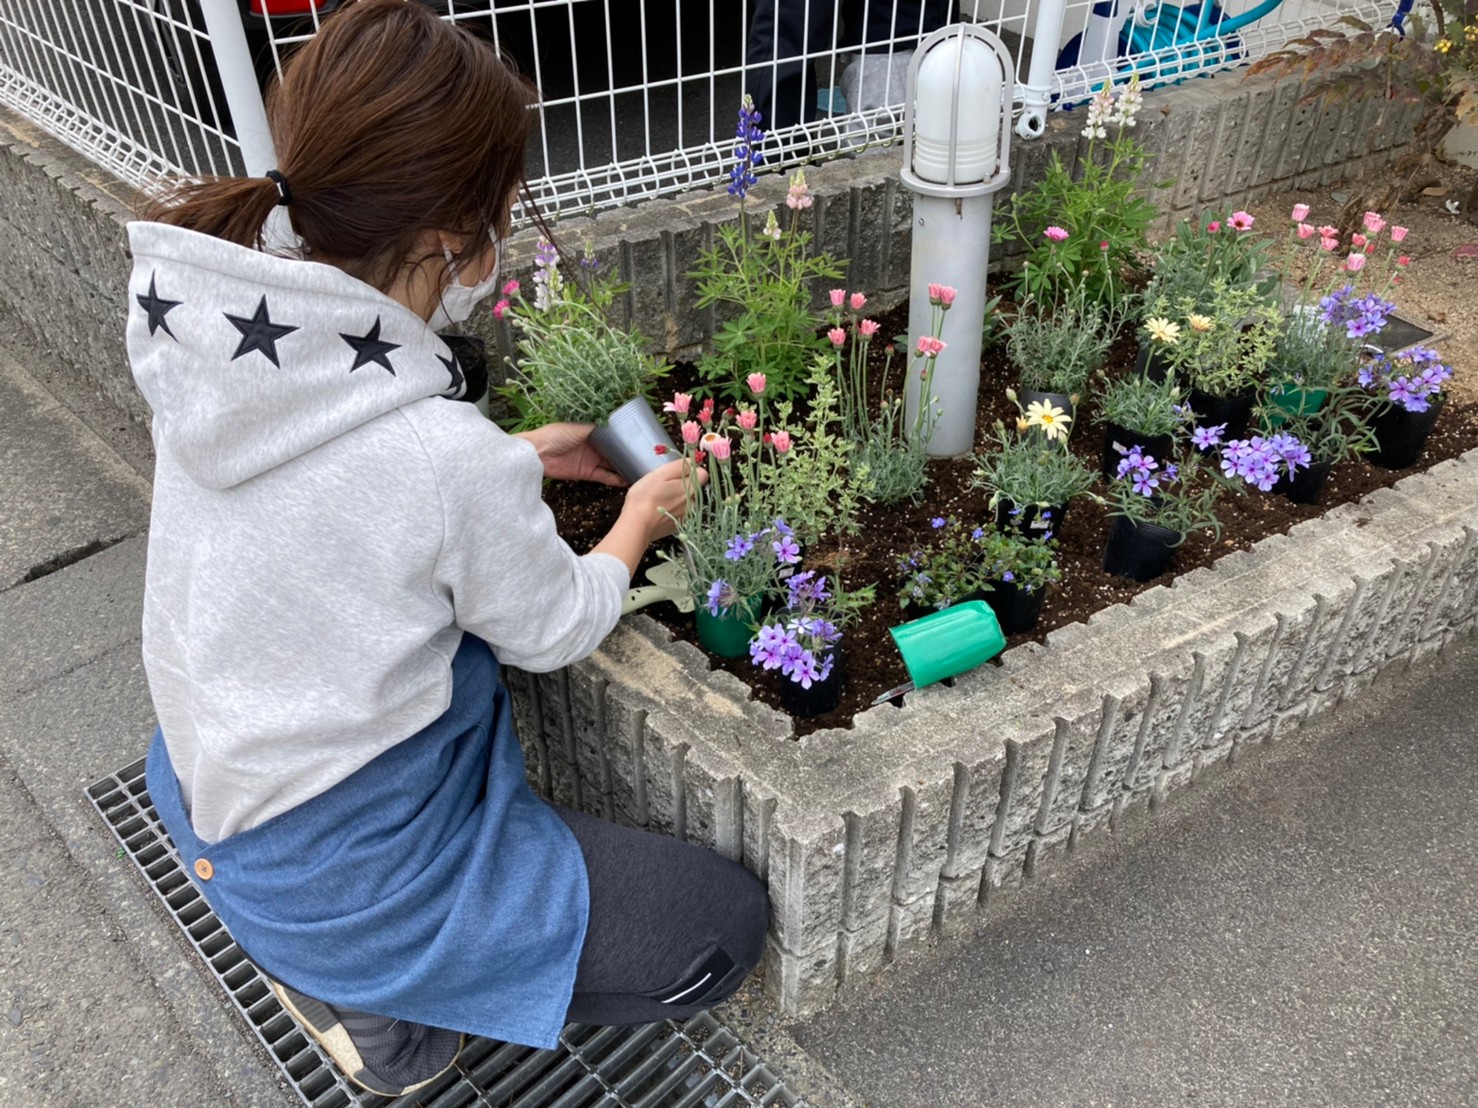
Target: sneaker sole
{"x": 329, "y": 1033}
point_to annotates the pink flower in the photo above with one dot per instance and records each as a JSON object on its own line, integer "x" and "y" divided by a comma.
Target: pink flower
{"x": 1056, "y": 234}
{"x": 1357, "y": 239}
{"x": 934, "y": 293}
{"x": 660, "y": 449}
{"x": 857, "y": 301}
{"x": 1300, "y": 213}
{"x": 780, "y": 440}
{"x": 1213, "y": 227}
{"x": 837, "y": 336}
{"x": 1103, "y": 244}
{"x": 756, "y": 383}
{"x": 1398, "y": 233}
{"x": 510, "y": 289}
{"x": 705, "y": 413}
{"x": 679, "y": 403}
{"x": 1328, "y": 243}
{"x": 500, "y": 309}
{"x": 838, "y": 297}
{"x": 946, "y": 295}
{"x": 1403, "y": 261}
{"x": 1241, "y": 221}
{"x": 929, "y": 346}
{"x": 1374, "y": 223}
{"x": 1355, "y": 262}
{"x": 720, "y": 447}
{"x": 691, "y": 431}
{"x": 1328, "y": 232}
{"x": 748, "y": 419}
{"x": 700, "y": 457}
{"x": 868, "y": 328}
{"x": 1305, "y": 230}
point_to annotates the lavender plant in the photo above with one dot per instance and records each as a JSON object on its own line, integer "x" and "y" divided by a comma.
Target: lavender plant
{"x": 1149, "y": 408}
{"x": 1028, "y": 472}
{"x": 1057, "y": 348}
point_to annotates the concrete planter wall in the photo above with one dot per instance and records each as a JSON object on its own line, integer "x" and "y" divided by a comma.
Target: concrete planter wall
{"x": 872, "y": 838}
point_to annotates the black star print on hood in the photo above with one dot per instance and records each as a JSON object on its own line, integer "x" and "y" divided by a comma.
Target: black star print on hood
{"x": 259, "y": 333}
{"x": 456, "y": 371}
{"x": 157, "y": 308}
{"x": 369, "y": 348}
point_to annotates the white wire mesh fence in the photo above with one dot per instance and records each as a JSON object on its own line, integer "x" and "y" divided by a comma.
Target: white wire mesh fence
{"x": 638, "y": 97}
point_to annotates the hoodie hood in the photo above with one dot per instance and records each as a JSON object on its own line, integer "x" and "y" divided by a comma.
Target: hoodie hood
{"x": 249, "y": 360}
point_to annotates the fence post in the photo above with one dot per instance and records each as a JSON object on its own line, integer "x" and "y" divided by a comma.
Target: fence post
{"x": 1037, "y": 92}
{"x": 239, "y": 80}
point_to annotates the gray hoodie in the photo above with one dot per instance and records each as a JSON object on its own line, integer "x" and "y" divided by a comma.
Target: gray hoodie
{"x": 326, "y": 523}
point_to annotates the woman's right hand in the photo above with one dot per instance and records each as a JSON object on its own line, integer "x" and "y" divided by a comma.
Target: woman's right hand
{"x": 660, "y": 499}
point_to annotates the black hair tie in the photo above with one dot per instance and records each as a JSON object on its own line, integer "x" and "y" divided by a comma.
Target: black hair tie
{"x": 284, "y": 194}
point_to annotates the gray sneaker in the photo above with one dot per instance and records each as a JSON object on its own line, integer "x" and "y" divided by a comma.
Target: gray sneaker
{"x": 383, "y": 1055}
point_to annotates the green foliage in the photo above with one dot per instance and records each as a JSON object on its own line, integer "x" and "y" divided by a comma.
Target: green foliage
{"x": 956, "y": 560}
{"x": 811, "y": 485}
{"x": 1138, "y": 404}
{"x": 1102, "y": 210}
{"x": 890, "y": 471}
{"x": 1225, "y": 350}
{"x": 1029, "y": 472}
{"x": 1057, "y": 349}
{"x": 1186, "y": 265}
{"x": 1311, "y": 354}
{"x": 767, "y": 275}
{"x": 1184, "y": 503}
{"x": 1339, "y": 431}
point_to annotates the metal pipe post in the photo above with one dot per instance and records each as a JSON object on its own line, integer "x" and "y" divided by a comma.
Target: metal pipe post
{"x": 239, "y": 80}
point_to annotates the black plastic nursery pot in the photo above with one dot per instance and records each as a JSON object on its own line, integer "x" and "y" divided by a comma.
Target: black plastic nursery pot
{"x": 1032, "y": 521}
{"x": 1156, "y": 446}
{"x": 820, "y": 698}
{"x": 1153, "y": 364}
{"x": 1306, "y": 484}
{"x": 1016, "y": 609}
{"x": 1400, "y": 435}
{"x": 1139, "y": 551}
{"x": 1235, "y": 411}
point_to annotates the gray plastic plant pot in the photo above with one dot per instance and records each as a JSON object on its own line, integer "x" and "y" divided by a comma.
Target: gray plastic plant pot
{"x": 634, "y": 441}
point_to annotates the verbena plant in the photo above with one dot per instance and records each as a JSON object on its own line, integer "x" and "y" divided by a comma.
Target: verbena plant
{"x": 766, "y": 275}
{"x": 572, "y": 363}
{"x": 1091, "y": 226}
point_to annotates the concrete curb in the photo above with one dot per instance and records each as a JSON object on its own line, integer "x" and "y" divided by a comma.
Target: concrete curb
{"x": 873, "y": 839}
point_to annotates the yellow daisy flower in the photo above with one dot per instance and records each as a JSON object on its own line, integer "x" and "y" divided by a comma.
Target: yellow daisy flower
{"x": 1199, "y": 323}
{"x": 1162, "y": 330}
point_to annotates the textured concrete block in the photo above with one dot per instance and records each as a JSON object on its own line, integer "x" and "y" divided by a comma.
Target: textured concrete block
{"x": 1295, "y": 623}
{"x": 863, "y": 952}
{"x": 586, "y": 689}
{"x": 800, "y": 984}
{"x": 1261, "y": 100}
{"x": 1021, "y": 790}
{"x": 1458, "y": 603}
{"x": 1255, "y": 642}
{"x": 758, "y": 814}
{"x": 957, "y": 900}
{"x": 1335, "y": 608}
{"x": 559, "y": 737}
{"x": 1394, "y": 613}
{"x": 1446, "y": 557}
{"x": 1088, "y": 823}
{"x": 1217, "y": 670}
{"x": 1190, "y": 188}
{"x": 1118, "y": 738}
{"x": 625, "y": 748}
{"x": 975, "y": 801}
{"x": 1303, "y": 118}
{"x": 1220, "y": 179}
{"x": 1372, "y": 592}
{"x": 1003, "y": 874}
{"x": 713, "y": 808}
{"x": 1162, "y": 718}
{"x": 871, "y": 862}
{"x": 1046, "y": 851}
{"x": 663, "y": 759}
{"x": 923, "y": 838}
{"x": 806, "y": 878}
{"x": 1072, "y": 754}
{"x": 910, "y": 924}
{"x": 1171, "y": 781}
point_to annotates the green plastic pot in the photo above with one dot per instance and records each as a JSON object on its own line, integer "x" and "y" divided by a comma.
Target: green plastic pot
{"x": 727, "y": 635}
{"x": 948, "y": 642}
{"x": 1294, "y": 401}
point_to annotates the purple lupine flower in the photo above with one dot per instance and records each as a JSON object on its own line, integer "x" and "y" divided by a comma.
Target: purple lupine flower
{"x": 747, "y": 155}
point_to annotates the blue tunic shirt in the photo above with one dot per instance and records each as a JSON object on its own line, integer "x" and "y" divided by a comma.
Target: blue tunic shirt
{"x": 431, "y": 885}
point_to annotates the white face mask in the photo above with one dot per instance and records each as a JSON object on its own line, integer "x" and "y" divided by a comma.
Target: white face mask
{"x": 458, "y": 300}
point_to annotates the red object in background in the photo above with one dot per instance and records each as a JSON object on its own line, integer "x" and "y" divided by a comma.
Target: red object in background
{"x": 284, "y": 7}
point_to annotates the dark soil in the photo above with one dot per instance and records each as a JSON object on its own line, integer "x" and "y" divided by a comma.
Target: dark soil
{"x": 586, "y": 512}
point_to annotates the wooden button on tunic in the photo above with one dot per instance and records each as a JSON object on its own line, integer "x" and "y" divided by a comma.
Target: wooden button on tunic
{"x": 204, "y": 870}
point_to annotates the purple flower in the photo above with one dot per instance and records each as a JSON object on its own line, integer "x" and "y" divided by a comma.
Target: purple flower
{"x": 770, "y": 646}
{"x": 1145, "y": 482}
{"x": 1008, "y": 576}
{"x": 802, "y": 669}
{"x": 977, "y": 534}
{"x": 739, "y": 546}
{"x": 806, "y": 588}
{"x": 1172, "y": 471}
{"x": 721, "y": 595}
{"x": 1204, "y": 438}
{"x": 787, "y": 550}
{"x": 937, "y": 522}
{"x": 748, "y": 136}
{"x": 783, "y": 528}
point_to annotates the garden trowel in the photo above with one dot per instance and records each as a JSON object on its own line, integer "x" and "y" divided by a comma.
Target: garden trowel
{"x": 669, "y": 581}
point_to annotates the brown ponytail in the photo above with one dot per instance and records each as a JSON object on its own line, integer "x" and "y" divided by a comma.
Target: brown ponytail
{"x": 387, "y": 124}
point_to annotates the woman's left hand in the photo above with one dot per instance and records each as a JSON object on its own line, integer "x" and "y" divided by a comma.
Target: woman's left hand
{"x": 565, "y": 450}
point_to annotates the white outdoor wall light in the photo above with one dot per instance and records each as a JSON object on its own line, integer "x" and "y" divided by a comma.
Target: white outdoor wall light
{"x": 957, "y": 132}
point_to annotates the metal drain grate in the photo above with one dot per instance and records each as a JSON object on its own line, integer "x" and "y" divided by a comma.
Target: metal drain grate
{"x": 661, "y": 1065}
